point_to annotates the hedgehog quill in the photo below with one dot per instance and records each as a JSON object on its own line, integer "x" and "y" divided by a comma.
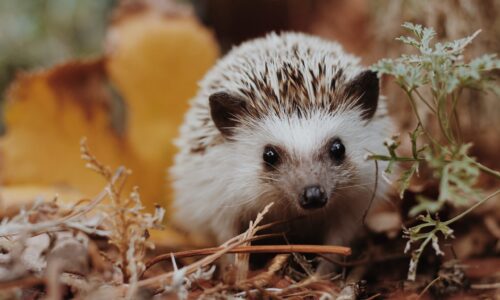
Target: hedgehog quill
{"x": 288, "y": 119}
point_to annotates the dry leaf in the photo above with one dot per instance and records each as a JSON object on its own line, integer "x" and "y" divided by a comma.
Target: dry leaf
{"x": 21, "y": 195}
{"x": 46, "y": 114}
{"x": 155, "y": 57}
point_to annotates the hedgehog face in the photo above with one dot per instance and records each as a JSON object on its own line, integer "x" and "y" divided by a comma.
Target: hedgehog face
{"x": 306, "y": 161}
{"x": 308, "y": 156}
{"x": 314, "y": 194}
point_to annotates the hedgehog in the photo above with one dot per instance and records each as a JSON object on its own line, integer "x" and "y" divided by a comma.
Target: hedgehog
{"x": 287, "y": 118}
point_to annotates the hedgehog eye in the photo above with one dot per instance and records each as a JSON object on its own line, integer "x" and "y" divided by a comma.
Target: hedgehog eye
{"x": 337, "y": 150}
{"x": 270, "y": 156}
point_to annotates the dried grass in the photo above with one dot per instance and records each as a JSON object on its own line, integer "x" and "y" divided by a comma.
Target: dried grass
{"x": 51, "y": 247}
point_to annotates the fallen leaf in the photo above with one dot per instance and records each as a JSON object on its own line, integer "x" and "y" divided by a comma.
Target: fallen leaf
{"x": 22, "y": 195}
{"x": 46, "y": 114}
{"x": 155, "y": 56}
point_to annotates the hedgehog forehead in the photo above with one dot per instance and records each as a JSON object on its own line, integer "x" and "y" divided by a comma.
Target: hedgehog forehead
{"x": 287, "y": 73}
{"x": 305, "y": 136}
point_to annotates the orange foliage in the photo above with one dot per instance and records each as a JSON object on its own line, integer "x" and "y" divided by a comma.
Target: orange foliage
{"x": 156, "y": 73}
{"x": 154, "y": 61}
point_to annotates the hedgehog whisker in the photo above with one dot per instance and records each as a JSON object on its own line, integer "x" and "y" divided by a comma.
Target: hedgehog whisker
{"x": 273, "y": 167}
{"x": 250, "y": 200}
{"x": 268, "y": 178}
{"x": 355, "y": 185}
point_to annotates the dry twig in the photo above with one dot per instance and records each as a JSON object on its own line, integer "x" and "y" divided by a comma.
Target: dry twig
{"x": 314, "y": 249}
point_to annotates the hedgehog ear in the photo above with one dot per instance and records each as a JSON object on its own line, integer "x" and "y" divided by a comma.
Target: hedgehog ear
{"x": 365, "y": 88}
{"x": 224, "y": 109}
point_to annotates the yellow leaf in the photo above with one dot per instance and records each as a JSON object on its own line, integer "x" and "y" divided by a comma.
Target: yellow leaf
{"x": 153, "y": 60}
{"x": 46, "y": 115}
{"x": 156, "y": 59}
{"x": 24, "y": 195}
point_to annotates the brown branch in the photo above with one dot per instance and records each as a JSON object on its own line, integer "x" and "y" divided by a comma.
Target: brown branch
{"x": 48, "y": 225}
{"x": 21, "y": 283}
{"x": 288, "y": 291}
{"x": 257, "y": 281}
{"x": 263, "y": 278}
{"x": 233, "y": 245}
{"x": 485, "y": 286}
{"x": 156, "y": 260}
{"x": 317, "y": 249}
{"x": 165, "y": 278}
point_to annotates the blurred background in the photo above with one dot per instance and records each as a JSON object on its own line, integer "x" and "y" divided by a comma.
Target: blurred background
{"x": 121, "y": 73}
{"x": 40, "y": 33}
{"x": 135, "y": 64}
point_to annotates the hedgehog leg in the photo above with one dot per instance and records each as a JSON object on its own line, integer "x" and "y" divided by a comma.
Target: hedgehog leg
{"x": 339, "y": 235}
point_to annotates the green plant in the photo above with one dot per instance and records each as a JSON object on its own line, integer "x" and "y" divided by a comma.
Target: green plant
{"x": 435, "y": 78}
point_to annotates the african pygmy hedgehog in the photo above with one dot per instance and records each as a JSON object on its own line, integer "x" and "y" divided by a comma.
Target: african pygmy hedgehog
{"x": 289, "y": 119}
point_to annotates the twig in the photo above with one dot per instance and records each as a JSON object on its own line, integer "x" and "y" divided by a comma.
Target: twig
{"x": 257, "y": 282}
{"x": 458, "y": 217}
{"x": 264, "y": 292}
{"x": 263, "y": 278}
{"x": 424, "y": 101}
{"x": 427, "y": 287}
{"x": 21, "y": 283}
{"x": 167, "y": 256}
{"x": 485, "y": 286}
{"x": 316, "y": 249}
{"x": 304, "y": 283}
{"x": 415, "y": 110}
{"x": 75, "y": 281}
{"x": 48, "y": 225}
{"x": 374, "y": 296}
{"x": 374, "y": 193}
{"x": 232, "y": 243}
{"x": 167, "y": 277}
{"x": 485, "y": 169}
{"x": 241, "y": 261}
{"x": 52, "y": 280}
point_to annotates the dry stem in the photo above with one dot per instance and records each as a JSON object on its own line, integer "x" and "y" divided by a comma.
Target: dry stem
{"x": 314, "y": 249}
{"x": 163, "y": 279}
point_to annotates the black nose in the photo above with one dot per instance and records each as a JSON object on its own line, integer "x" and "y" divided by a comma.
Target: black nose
{"x": 313, "y": 197}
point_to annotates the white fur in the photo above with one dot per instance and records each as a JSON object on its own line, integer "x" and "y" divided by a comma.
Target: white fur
{"x": 219, "y": 186}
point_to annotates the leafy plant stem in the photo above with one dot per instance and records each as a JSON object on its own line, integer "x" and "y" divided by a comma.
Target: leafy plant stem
{"x": 417, "y": 253}
{"x": 439, "y": 70}
{"x": 398, "y": 158}
{"x": 467, "y": 211}
{"x": 415, "y": 110}
{"x": 442, "y": 120}
{"x": 424, "y": 101}
{"x": 485, "y": 169}
{"x": 454, "y": 112}
{"x": 429, "y": 286}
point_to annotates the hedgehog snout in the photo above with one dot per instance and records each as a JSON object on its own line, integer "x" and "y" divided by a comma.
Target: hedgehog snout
{"x": 312, "y": 197}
